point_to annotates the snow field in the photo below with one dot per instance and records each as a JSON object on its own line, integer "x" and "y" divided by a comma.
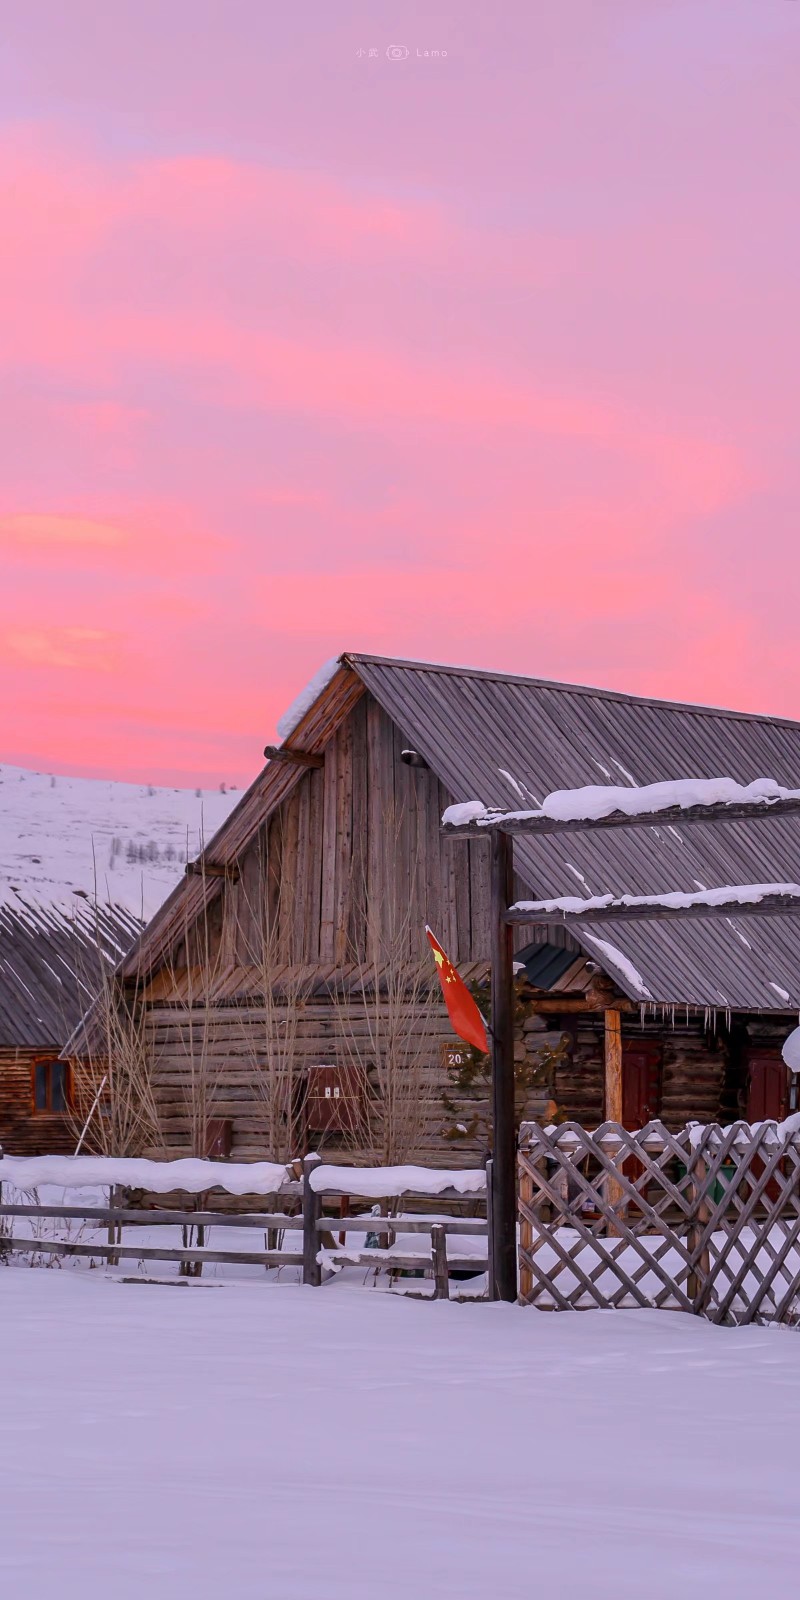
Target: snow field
{"x": 128, "y": 842}
{"x": 259, "y": 1440}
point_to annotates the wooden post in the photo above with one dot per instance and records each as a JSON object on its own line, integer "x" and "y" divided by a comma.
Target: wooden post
{"x": 613, "y": 1067}
{"x": 312, "y": 1211}
{"x": 491, "y": 1287}
{"x": 525, "y": 1237}
{"x": 697, "y": 1279}
{"x": 114, "y": 1229}
{"x": 613, "y": 1087}
{"x": 504, "y": 1148}
{"x": 441, "y": 1276}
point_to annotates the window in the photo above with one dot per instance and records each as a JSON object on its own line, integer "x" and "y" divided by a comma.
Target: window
{"x": 50, "y": 1086}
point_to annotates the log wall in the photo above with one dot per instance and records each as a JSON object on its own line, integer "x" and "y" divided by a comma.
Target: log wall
{"x": 695, "y": 1073}
{"x": 22, "y": 1131}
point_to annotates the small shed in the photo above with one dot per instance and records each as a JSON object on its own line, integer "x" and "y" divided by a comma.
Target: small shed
{"x": 52, "y": 963}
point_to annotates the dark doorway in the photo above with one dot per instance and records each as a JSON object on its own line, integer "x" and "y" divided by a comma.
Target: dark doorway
{"x": 767, "y": 1087}
{"x": 641, "y": 1082}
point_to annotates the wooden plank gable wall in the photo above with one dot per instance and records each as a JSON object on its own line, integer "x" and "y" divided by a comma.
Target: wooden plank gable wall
{"x": 363, "y": 828}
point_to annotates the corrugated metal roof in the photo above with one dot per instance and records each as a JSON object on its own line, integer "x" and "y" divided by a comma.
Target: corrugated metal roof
{"x": 51, "y": 959}
{"x": 509, "y": 741}
{"x": 545, "y": 964}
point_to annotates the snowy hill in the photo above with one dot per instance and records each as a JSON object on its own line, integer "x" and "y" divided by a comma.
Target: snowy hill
{"x": 61, "y": 836}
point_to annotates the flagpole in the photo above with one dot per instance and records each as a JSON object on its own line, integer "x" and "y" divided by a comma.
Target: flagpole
{"x": 504, "y": 1144}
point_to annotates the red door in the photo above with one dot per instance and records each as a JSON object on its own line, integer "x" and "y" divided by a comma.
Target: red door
{"x": 641, "y": 1082}
{"x": 767, "y": 1100}
{"x": 767, "y": 1087}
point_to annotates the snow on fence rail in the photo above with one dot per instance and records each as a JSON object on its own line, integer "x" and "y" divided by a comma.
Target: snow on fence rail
{"x": 706, "y": 1220}
{"x": 187, "y": 1176}
{"x": 381, "y": 1183}
{"x": 319, "y": 1254}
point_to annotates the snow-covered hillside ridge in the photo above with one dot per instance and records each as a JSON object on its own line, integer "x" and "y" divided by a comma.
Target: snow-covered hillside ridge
{"x": 126, "y": 842}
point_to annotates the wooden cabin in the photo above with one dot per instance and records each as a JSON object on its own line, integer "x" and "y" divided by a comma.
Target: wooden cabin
{"x": 284, "y": 985}
{"x": 51, "y": 965}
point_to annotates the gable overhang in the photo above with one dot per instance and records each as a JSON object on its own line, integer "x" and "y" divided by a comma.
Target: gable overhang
{"x": 276, "y": 781}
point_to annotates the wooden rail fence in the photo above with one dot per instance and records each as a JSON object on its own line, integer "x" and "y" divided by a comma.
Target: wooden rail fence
{"x": 439, "y": 1261}
{"x": 706, "y": 1220}
{"x": 320, "y": 1255}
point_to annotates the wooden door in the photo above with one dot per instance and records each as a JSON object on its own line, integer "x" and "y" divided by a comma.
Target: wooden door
{"x": 767, "y": 1100}
{"x": 767, "y": 1087}
{"x": 641, "y": 1082}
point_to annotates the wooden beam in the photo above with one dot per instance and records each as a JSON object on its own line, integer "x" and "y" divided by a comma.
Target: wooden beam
{"x": 638, "y": 913}
{"x": 504, "y": 1143}
{"x": 552, "y": 1006}
{"x": 674, "y": 816}
{"x": 300, "y": 758}
{"x": 212, "y": 869}
{"x": 613, "y": 1067}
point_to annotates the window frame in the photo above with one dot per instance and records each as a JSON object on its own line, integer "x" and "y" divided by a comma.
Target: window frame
{"x": 51, "y": 1061}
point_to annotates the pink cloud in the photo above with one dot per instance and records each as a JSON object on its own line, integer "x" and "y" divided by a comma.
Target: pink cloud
{"x": 40, "y": 529}
{"x": 463, "y": 388}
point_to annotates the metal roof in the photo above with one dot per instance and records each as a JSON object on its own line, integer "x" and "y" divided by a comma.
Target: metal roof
{"x": 509, "y": 741}
{"x": 51, "y": 961}
{"x": 547, "y": 966}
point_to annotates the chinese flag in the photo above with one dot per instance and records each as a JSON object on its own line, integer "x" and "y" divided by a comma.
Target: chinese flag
{"x": 463, "y": 1012}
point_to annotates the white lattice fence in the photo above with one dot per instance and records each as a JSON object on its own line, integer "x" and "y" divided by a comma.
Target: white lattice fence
{"x": 706, "y": 1220}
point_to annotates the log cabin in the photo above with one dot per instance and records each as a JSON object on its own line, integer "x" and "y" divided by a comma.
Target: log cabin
{"x": 283, "y": 986}
{"x": 51, "y": 964}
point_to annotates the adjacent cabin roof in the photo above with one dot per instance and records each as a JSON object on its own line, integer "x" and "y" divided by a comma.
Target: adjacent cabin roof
{"x": 509, "y": 740}
{"x": 51, "y": 962}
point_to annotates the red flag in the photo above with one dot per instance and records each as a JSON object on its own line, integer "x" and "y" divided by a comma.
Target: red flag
{"x": 462, "y": 1010}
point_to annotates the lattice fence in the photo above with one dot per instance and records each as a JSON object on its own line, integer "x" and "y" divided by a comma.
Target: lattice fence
{"x": 706, "y": 1220}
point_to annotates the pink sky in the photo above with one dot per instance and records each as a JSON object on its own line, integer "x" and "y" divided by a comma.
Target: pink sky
{"x": 489, "y": 357}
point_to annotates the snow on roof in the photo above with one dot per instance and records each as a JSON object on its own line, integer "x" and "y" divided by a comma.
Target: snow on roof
{"x": 741, "y": 894}
{"x": 595, "y": 801}
{"x": 616, "y": 959}
{"x": 305, "y": 699}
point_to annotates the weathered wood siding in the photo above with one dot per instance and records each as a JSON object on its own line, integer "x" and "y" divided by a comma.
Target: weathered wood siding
{"x": 363, "y": 830}
{"x": 233, "y": 1050}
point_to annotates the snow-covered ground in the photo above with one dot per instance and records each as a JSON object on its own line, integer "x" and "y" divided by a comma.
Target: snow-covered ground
{"x": 260, "y": 1440}
{"x": 59, "y": 836}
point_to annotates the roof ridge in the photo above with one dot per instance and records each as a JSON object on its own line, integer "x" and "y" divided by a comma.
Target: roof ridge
{"x": 352, "y": 658}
